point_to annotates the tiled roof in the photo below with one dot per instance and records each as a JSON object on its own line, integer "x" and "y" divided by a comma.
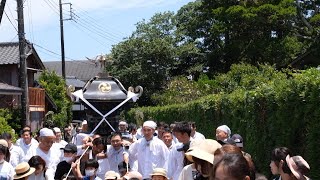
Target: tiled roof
{"x": 8, "y": 89}
{"x": 9, "y": 53}
{"x": 81, "y": 69}
{"x": 74, "y": 82}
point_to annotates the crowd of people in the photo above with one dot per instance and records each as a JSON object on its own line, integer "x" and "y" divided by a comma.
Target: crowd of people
{"x": 154, "y": 151}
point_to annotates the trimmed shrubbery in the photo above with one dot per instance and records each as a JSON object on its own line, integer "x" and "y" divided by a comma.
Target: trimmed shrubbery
{"x": 267, "y": 107}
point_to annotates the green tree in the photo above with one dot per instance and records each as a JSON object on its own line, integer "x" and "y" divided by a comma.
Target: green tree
{"x": 146, "y": 56}
{"x": 55, "y": 87}
{"x": 235, "y": 31}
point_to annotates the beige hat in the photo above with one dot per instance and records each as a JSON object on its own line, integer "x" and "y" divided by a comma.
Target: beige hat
{"x": 133, "y": 174}
{"x": 159, "y": 172}
{"x": 4, "y": 143}
{"x": 204, "y": 150}
{"x": 111, "y": 175}
{"x": 23, "y": 170}
{"x": 296, "y": 163}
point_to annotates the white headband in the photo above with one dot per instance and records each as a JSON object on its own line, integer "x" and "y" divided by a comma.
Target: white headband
{"x": 225, "y": 129}
{"x": 150, "y": 124}
{"x": 46, "y": 132}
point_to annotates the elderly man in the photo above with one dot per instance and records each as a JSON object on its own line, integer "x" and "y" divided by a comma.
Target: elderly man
{"x": 223, "y": 132}
{"x": 50, "y": 154}
{"x": 150, "y": 151}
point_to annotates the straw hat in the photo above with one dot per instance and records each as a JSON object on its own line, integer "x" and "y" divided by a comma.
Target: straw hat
{"x": 204, "y": 150}
{"x": 133, "y": 174}
{"x": 23, "y": 170}
{"x": 111, "y": 175}
{"x": 4, "y": 143}
{"x": 159, "y": 172}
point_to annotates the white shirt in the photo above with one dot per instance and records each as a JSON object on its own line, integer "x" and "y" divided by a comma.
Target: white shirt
{"x": 150, "y": 154}
{"x": 187, "y": 173}
{"x": 52, "y": 159}
{"x": 20, "y": 140}
{"x": 175, "y": 162}
{"x": 16, "y": 155}
{"x": 26, "y": 147}
{"x": 115, "y": 157}
{"x": 36, "y": 177}
{"x": 6, "y": 171}
{"x": 198, "y": 135}
{"x": 61, "y": 144}
{"x": 103, "y": 165}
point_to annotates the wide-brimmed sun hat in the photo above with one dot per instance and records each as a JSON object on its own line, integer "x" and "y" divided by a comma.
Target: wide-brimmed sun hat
{"x": 133, "y": 174}
{"x": 4, "y": 143}
{"x": 203, "y": 150}
{"x": 159, "y": 172}
{"x": 296, "y": 163}
{"x": 111, "y": 175}
{"x": 23, "y": 170}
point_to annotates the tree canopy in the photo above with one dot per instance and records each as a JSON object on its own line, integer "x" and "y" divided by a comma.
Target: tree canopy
{"x": 208, "y": 36}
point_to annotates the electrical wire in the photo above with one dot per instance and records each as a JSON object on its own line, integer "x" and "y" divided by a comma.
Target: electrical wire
{"x": 96, "y": 27}
{"x": 116, "y": 33}
{"x": 10, "y": 21}
{"x": 30, "y": 21}
{"x": 89, "y": 34}
{"x": 84, "y": 25}
{"x": 52, "y": 52}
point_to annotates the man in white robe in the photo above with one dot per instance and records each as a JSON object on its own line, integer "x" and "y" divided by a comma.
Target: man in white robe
{"x": 50, "y": 154}
{"x": 177, "y": 160}
{"x": 150, "y": 151}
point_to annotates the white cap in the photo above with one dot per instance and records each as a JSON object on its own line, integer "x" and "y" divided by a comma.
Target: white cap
{"x": 84, "y": 122}
{"x": 225, "y": 129}
{"x": 56, "y": 130}
{"x": 123, "y": 123}
{"x": 46, "y": 132}
{"x": 150, "y": 124}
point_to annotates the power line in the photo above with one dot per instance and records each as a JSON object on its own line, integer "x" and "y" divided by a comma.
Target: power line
{"x": 30, "y": 21}
{"x": 10, "y": 21}
{"x": 52, "y": 7}
{"x": 93, "y": 21}
{"x": 98, "y": 28}
{"x": 96, "y": 32}
{"x": 89, "y": 34}
{"x": 52, "y": 52}
{"x": 12, "y": 15}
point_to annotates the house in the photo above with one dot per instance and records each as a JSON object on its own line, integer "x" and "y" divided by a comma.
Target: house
{"x": 10, "y": 89}
{"x": 77, "y": 74}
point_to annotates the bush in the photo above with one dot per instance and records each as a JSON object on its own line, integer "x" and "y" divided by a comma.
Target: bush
{"x": 9, "y": 117}
{"x": 268, "y": 108}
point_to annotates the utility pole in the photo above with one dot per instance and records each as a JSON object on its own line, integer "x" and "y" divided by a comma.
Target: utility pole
{"x": 62, "y": 42}
{"x": 2, "y": 5}
{"x": 23, "y": 66}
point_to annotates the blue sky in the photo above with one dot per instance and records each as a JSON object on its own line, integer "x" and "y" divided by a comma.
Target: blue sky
{"x": 97, "y": 24}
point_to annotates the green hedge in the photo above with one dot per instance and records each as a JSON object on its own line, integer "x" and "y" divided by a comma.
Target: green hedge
{"x": 281, "y": 109}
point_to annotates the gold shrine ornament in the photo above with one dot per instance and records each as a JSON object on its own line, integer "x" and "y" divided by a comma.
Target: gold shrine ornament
{"x": 104, "y": 87}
